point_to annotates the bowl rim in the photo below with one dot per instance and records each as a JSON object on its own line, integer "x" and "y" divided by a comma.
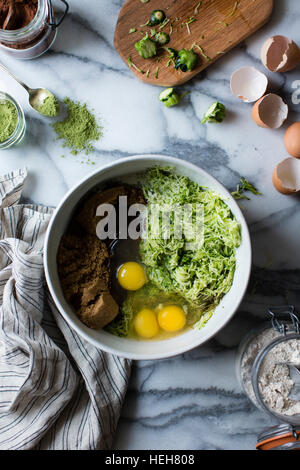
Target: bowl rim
{"x": 165, "y": 159}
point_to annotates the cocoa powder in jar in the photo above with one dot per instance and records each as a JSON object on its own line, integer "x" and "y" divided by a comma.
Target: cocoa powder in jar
{"x": 25, "y": 11}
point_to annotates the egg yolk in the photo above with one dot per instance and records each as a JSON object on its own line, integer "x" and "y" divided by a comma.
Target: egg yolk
{"x": 145, "y": 324}
{"x": 171, "y": 318}
{"x": 132, "y": 276}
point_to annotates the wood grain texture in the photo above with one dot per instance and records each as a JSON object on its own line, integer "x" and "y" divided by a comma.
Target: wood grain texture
{"x": 220, "y": 25}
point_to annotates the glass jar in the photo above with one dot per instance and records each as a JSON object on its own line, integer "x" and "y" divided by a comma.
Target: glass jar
{"x": 35, "y": 38}
{"x": 263, "y": 373}
{"x": 19, "y": 131}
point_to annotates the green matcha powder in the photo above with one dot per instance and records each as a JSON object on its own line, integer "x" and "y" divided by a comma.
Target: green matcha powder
{"x": 8, "y": 119}
{"x": 49, "y": 107}
{"x": 79, "y": 130}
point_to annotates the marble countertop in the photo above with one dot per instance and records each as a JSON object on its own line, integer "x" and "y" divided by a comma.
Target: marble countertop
{"x": 192, "y": 401}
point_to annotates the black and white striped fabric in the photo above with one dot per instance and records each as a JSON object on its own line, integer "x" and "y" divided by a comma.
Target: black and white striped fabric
{"x": 56, "y": 390}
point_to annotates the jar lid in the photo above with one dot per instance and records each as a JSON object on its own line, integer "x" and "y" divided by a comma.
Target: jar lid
{"x": 280, "y": 437}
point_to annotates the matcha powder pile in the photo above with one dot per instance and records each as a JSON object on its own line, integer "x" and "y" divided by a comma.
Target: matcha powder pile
{"x": 79, "y": 129}
{"x": 8, "y": 119}
{"x": 50, "y": 106}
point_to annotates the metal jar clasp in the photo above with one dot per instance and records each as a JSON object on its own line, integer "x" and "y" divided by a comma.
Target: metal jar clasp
{"x": 281, "y": 316}
{"x": 53, "y": 23}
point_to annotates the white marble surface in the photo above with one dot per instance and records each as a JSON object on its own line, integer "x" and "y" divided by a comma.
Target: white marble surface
{"x": 192, "y": 401}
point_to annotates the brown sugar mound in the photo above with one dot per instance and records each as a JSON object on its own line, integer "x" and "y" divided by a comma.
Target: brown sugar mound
{"x": 87, "y": 215}
{"x": 83, "y": 260}
{"x": 83, "y": 269}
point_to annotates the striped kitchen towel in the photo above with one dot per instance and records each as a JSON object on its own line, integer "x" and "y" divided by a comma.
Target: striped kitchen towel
{"x": 56, "y": 390}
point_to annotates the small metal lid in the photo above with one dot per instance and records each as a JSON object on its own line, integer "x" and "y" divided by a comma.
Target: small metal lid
{"x": 280, "y": 437}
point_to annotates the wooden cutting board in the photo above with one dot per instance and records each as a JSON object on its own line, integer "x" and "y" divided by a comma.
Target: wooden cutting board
{"x": 218, "y": 27}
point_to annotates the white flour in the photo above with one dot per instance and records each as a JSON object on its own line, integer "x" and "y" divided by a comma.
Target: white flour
{"x": 274, "y": 381}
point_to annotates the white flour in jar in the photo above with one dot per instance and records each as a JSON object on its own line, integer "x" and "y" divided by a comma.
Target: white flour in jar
{"x": 274, "y": 380}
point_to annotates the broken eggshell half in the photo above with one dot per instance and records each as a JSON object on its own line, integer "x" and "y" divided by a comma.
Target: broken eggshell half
{"x": 286, "y": 176}
{"x": 292, "y": 139}
{"x": 270, "y": 111}
{"x": 248, "y": 84}
{"x": 280, "y": 54}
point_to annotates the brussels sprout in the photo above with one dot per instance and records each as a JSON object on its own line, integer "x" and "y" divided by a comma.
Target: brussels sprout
{"x": 162, "y": 38}
{"x": 146, "y": 47}
{"x": 169, "y": 97}
{"x": 216, "y": 113}
{"x": 157, "y": 17}
{"x": 186, "y": 60}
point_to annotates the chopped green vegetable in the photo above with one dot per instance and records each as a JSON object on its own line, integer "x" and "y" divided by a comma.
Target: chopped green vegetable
{"x": 186, "y": 60}
{"x": 122, "y": 324}
{"x": 187, "y": 23}
{"x": 191, "y": 20}
{"x": 249, "y": 187}
{"x": 202, "y": 276}
{"x": 243, "y": 186}
{"x": 216, "y": 113}
{"x": 202, "y": 51}
{"x": 223, "y": 23}
{"x": 238, "y": 194}
{"x": 169, "y": 97}
{"x": 172, "y": 53}
{"x": 131, "y": 64}
{"x": 145, "y": 1}
{"x": 148, "y": 23}
{"x": 146, "y": 47}
{"x": 164, "y": 23}
{"x": 157, "y": 17}
{"x": 197, "y": 8}
{"x": 203, "y": 320}
{"x": 165, "y": 94}
{"x": 234, "y": 9}
{"x": 162, "y": 38}
{"x": 156, "y": 73}
{"x": 132, "y": 30}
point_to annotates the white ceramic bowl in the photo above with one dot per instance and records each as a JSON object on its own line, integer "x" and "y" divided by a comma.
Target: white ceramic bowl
{"x": 145, "y": 349}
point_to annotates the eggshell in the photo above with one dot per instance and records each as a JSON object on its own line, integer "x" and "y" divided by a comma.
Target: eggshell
{"x": 292, "y": 140}
{"x": 286, "y": 176}
{"x": 270, "y": 111}
{"x": 280, "y": 54}
{"x": 248, "y": 84}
